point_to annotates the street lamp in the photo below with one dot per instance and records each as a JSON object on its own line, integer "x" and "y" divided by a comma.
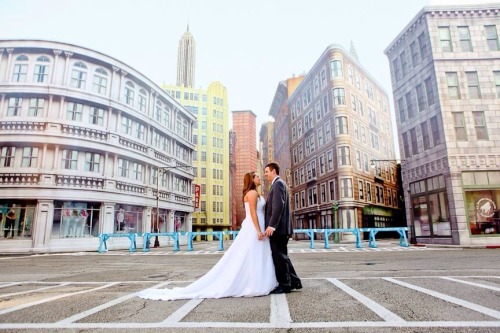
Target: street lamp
{"x": 160, "y": 171}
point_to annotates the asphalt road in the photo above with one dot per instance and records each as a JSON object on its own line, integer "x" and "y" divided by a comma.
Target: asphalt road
{"x": 388, "y": 289}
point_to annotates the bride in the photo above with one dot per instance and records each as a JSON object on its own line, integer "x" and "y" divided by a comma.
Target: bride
{"x": 245, "y": 270}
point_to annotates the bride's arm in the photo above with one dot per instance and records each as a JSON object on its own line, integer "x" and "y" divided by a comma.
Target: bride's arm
{"x": 252, "y": 200}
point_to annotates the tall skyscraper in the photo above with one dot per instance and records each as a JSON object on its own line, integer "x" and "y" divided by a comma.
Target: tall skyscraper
{"x": 445, "y": 68}
{"x": 186, "y": 59}
{"x": 244, "y": 128}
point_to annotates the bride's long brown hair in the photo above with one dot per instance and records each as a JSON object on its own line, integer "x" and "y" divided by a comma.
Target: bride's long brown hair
{"x": 248, "y": 184}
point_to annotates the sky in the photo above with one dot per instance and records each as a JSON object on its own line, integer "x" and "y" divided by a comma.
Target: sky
{"x": 249, "y": 46}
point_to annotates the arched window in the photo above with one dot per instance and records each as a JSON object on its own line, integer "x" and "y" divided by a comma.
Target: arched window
{"x": 100, "y": 81}
{"x": 142, "y": 100}
{"x": 79, "y": 75}
{"x": 166, "y": 117}
{"x": 20, "y": 69}
{"x": 41, "y": 69}
{"x": 129, "y": 93}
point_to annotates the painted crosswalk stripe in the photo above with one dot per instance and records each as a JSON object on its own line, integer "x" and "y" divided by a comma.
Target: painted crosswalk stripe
{"x": 470, "y": 283}
{"x": 381, "y": 311}
{"x": 35, "y": 290}
{"x": 451, "y": 299}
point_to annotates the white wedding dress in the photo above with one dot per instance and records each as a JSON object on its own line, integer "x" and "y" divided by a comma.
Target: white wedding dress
{"x": 245, "y": 270}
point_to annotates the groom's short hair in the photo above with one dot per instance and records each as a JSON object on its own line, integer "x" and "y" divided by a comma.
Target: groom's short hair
{"x": 274, "y": 166}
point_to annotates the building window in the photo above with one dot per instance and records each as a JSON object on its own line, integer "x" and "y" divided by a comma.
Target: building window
{"x": 311, "y": 170}
{"x": 406, "y": 145}
{"x": 445, "y": 39}
{"x": 331, "y": 187}
{"x": 143, "y": 101}
{"x": 420, "y": 97}
{"x": 96, "y": 116}
{"x": 328, "y": 132}
{"x": 341, "y": 125}
{"x": 137, "y": 171}
{"x": 7, "y": 156}
{"x": 492, "y": 37}
{"x": 425, "y": 135}
{"x": 496, "y": 74}
{"x": 313, "y": 196}
{"x": 361, "y": 192}
{"x": 329, "y": 160}
{"x": 436, "y": 136}
{"x": 404, "y": 64}
{"x": 74, "y": 111}
{"x": 92, "y": 162}
{"x": 14, "y": 108}
{"x": 20, "y": 69}
{"x": 70, "y": 159}
{"x": 480, "y": 125}
{"x": 464, "y": 37}
{"x": 30, "y": 156}
{"x": 414, "y": 143}
{"x": 41, "y": 70}
{"x": 100, "y": 82}
{"x": 338, "y": 96}
{"x": 336, "y": 69}
{"x": 402, "y": 111}
{"x": 36, "y": 107}
{"x": 79, "y": 75}
{"x": 414, "y": 53}
{"x": 139, "y": 131}
{"x": 473, "y": 85}
{"x": 452, "y": 83}
{"x": 344, "y": 155}
{"x": 322, "y": 76}
{"x": 368, "y": 192}
{"x": 409, "y": 105}
{"x": 396, "y": 69}
{"x": 322, "y": 192}
{"x": 126, "y": 125}
{"x": 123, "y": 168}
{"x": 346, "y": 188}
{"x": 430, "y": 91}
{"x": 459, "y": 124}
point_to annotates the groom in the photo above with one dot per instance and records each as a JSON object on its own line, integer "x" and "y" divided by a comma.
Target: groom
{"x": 279, "y": 228}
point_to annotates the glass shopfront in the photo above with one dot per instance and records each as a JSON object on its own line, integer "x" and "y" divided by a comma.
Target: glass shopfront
{"x": 16, "y": 218}
{"x": 74, "y": 219}
{"x": 159, "y": 225}
{"x": 128, "y": 219}
{"x": 482, "y": 197}
{"x": 430, "y": 208}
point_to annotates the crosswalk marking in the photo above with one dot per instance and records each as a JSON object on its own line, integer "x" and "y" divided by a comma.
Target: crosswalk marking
{"x": 35, "y": 290}
{"x": 183, "y": 311}
{"x": 476, "y": 307}
{"x": 382, "y": 312}
{"x": 470, "y": 283}
{"x": 280, "y": 313}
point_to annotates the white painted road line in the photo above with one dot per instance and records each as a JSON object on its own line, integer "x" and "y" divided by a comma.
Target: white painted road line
{"x": 476, "y": 307}
{"x": 280, "y": 313}
{"x": 27, "y": 305}
{"x": 101, "y": 307}
{"x": 382, "y": 312}
{"x": 35, "y": 290}
{"x": 183, "y": 311}
{"x": 470, "y": 283}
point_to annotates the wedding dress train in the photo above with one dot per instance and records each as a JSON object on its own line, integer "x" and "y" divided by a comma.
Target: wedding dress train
{"x": 245, "y": 270}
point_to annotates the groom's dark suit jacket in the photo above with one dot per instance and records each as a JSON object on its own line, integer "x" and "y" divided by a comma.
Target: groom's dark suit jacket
{"x": 278, "y": 214}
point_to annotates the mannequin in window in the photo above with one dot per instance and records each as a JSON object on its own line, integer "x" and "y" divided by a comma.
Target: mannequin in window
{"x": 120, "y": 217}
{"x": 10, "y": 222}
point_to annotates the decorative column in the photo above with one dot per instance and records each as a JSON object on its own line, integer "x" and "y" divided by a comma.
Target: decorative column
{"x": 170, "y": 221}
{"x": 56, "y": 158}
{"x": 9, "y": 63}
{"x": 2, "y": 103}
{"x": 107, "y": 218}
{"x": 146, "y": 220}
{"x": 42, "y": 227}
{"x": 57, "y": 53}
{"x": 66, "y": 67}
{"x": 49, "y": 107}
{"x": 1, "y": 59}
{"x": 122, "y": 82}
{"x": 112, "y": 94}
{"x": 108, "y": 120}
{"x": 152, "y": 103}
{"x": 61, "y": 108}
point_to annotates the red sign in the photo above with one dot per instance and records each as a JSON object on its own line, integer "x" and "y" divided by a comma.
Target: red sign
{"x": 197, "y": 192}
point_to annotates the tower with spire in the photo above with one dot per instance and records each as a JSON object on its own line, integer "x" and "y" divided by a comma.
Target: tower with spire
{"x": 186, "y": 60}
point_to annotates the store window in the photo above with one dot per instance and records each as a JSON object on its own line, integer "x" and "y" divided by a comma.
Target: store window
{"x": 430, "y": 208}
{"x": 16, "y": 219}
{"x": 75, "y": 219}
{"x": 481, "y": 202}
{"x": 128, "y": 219}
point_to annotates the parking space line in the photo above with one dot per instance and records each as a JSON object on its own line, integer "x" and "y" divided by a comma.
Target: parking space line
{"x": 35, "y": 290}
{"x": 280, "y": 313}
{"x": 381, "y": 311}
{"x": 183, "y": 311}
{"x": 101, "y": 307}
{"x": 470, "y": 283}
{"x": 476, "y": 307}
{"x": 27, "y": 305}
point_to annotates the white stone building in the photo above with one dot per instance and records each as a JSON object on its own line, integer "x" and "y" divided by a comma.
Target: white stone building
{"x": 83, "y": 138}
{"x": 445, "y": 67}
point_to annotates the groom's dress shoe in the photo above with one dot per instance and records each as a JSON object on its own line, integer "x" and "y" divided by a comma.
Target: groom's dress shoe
{"x": 280, "y": 290}
{"x": 296, "y": 286}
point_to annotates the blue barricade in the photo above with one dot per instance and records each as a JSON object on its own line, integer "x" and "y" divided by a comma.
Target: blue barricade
{"x": 403, "y": 240}
{"x": 327, "y": 233}
{"x": 103, "y": 247}
{"x": 218, "y": 234}
{"x": 146, "y": 247}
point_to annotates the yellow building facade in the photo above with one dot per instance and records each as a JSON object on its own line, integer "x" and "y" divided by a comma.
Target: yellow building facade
{"x": 211, "y": 155}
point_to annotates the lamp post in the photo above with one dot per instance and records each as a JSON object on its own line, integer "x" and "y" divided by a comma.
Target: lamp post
{"x": 161, "y": 171}
{"x": 335, "y": 223}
